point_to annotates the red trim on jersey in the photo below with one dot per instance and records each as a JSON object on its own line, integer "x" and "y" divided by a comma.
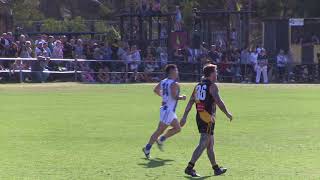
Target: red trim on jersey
{"x": 200, "y": 107}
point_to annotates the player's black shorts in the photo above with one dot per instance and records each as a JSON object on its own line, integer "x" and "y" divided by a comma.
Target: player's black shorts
{"x": 204, "y": 127}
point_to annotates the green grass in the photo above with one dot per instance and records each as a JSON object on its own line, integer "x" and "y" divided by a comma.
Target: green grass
{"x": 74, "y": 131}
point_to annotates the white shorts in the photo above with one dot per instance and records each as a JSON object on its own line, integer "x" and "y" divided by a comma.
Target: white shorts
{"x": 167, "y": 116}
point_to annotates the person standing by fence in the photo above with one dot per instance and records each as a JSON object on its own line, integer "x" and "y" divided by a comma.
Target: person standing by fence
{"x": 245, "y": 62}
{"x": 262, "y": 67}
{"x": 252, "y": 67}
{"x": 39, "y": 65}
{"x": 134, "y": 61}
{"x": 281, "y": 64}
{"x": 37, "y": 68}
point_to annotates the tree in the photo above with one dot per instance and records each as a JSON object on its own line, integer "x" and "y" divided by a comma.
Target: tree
{"x": 74, "y": 25}
{"x": 91, "y": 9}
{"x": 52, "y": 25}
{"x": 187, "y": 12}
{"x": 26, "y": 10}
{"x": 205, "y": 4}
{"x": 287, "y": 8}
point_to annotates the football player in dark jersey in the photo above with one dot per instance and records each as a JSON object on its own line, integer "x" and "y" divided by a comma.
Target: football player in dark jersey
{"x": 206, "y": 97}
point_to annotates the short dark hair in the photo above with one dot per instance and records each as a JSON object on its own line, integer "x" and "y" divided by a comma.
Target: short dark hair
{"x": 169, "y": 67}
{"x": 208, "y": 69}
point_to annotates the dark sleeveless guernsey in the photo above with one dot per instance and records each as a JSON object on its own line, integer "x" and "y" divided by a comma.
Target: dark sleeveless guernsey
{"x": 206, "y": 107}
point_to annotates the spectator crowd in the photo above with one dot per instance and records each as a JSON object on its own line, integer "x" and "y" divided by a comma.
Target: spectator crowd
{"x": 124, "y": 58}
{"x": 247, "y": 65}
{"x": 119, "y": 62}
{"x": 98, "y": 61}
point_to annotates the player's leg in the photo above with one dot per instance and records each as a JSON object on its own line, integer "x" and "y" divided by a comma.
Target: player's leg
{"x": 211, "y": 155}
{"x": 176, "y": 128}
{"x": 203, "y": 143}
{"x": 200, "y": 148}
{"x": 210, "y": 151}
{"x": 172, "y": 119}
{"x": 161, "y": 128}
{"x": 165, "y": 120}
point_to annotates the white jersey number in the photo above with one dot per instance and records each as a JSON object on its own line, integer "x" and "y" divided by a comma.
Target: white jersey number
{"x": 201, "y": 92}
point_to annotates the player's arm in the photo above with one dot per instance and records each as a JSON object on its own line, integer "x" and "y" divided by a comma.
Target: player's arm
{"x": 214, "y": 90}
{"x": 175, "y": 89}
{"x": 187, "y": 110}
{"x": 157, "y": 89}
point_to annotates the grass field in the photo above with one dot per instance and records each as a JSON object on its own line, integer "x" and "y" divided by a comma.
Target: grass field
{"x": 76, "y": 131}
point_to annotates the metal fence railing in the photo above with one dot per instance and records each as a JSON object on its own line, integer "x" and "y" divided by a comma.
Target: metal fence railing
{"x": 118, "y": 71}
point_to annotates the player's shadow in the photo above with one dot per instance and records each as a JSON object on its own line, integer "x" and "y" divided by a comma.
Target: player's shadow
{"x": 197, "y": 178}
{"x": 154, "y": 163}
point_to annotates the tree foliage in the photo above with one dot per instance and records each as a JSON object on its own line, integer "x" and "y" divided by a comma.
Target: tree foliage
{"x": 263, "y": 8}
{"x": 73, "y": 25}
{"x": 29, "y": 9}
{"x": 26, "y": 10}
{"x": 287, "y": 8}
{"x": 52, "y": 25}
{"x": 187, "y": 11}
